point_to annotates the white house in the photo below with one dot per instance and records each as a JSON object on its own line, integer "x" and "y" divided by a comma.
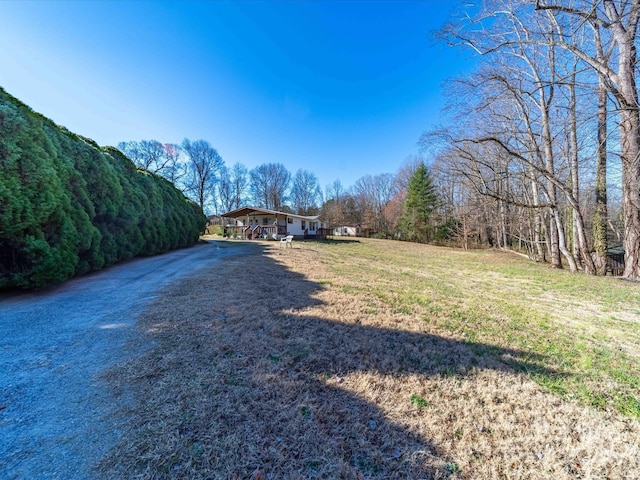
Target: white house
{"x": 254, "y": 222}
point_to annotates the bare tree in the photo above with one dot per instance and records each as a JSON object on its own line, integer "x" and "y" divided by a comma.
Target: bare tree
{"x": 225, "y": 190}
{"x": 333, "y": 208}
{"x": 305, "y": 193}
{"x": 270, "y": 185}
{"x": 232, "y": 186}
{"x": 147, "y": 154}
{"x": 600, "y": 216}
{"x": 372, "y": 194}
{"x": 620, "y": 18}
{"x": 174, "y": 169}
{"x": 153, "y": 156}
{"x": 406, "y": 171}
{"x": 239, "y": 181}
{"x": 535, "y": 79}
{"x": 335, "y": 191}
{"x": 203, "y": 164}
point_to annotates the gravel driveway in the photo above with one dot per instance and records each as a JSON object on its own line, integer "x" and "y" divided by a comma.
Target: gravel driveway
{"x": 55, "y": 414}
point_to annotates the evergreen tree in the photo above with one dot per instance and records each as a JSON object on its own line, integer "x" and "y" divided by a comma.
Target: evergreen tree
{"x": 420, "y": 202}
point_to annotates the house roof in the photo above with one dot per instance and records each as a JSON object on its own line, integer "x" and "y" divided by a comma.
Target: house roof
{"x": 247, "y": 211}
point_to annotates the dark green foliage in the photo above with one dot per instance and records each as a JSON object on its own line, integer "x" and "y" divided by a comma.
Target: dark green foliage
{"x": 420, "y": 202}
{"x": 68, "y": 207}
{"x": 448, "y": 230}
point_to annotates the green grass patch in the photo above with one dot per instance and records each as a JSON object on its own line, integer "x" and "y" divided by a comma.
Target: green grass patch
{"x": 579, "y": 334}
{"x": 419, "y": 402}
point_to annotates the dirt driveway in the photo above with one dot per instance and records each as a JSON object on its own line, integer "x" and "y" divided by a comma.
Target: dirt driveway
{"x": 55, "y": 413}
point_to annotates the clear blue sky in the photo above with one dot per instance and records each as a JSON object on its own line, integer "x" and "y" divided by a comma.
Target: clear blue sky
{"x": 342, "y": 89}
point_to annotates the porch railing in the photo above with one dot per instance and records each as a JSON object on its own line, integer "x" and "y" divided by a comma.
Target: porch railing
{"x": 269, "y": 231}
{"x": 256, "y": 232}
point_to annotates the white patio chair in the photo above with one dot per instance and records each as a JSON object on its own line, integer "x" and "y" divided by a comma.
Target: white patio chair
{"x": 286, "y": 241}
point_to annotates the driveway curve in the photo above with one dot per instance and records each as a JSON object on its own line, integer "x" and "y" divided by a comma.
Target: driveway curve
{"x": 56, "y": 417}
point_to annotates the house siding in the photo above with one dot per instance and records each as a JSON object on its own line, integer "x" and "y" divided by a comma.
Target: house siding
{"x": 294, "y": 225}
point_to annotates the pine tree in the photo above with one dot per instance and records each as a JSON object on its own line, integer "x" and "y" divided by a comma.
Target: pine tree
{"x": 420, "y": 202}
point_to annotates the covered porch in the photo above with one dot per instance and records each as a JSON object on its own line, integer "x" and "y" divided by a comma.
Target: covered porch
{"x": 242, "y": 232}
{"x": 250, "y": 223}
{"x": 253, "y": 223}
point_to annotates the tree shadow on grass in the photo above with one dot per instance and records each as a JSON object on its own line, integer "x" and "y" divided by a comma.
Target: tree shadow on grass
{"x": 338, "y": 240}
{"x": 251, "y": 386}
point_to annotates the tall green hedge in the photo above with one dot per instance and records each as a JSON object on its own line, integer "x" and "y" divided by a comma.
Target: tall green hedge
{"x": 68, "y": 207}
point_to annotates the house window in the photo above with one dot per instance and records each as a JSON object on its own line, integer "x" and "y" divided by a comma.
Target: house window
{"x": 265, "y": 221}
{"x": 312, "y": 226}
{"x": 304, "y": 224}
{"x": 289, "y": 220}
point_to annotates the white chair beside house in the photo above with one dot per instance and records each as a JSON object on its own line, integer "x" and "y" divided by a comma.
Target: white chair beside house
{"x": 286, "y": 241}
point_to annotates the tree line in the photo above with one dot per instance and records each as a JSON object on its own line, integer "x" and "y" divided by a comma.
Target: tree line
{"x": 384, "y": 205}
{"x": 539, "y": 150}
{"x": 198, "y": 170}
{"x": 68, "y": 207}
{"x": 541, "y": 147}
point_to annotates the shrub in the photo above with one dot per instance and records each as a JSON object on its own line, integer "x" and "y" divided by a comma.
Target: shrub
{"x": 68, "y": 207}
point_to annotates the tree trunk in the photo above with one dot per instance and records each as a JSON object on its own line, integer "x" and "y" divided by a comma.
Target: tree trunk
{"x": 631, "y": 190}
{"x": 552, "y": 195}
{"x": 537, "y": 223}
{"x": 599, "y": 229}
{"x": 562, "y": 243}
{"x": 627, "y": 95}
{"x": 600, "y": 216}
{"x": 580, "y": 243}
{"x": 503, "y": 224}
{"x": 587, "y": 261}
{"x": 621, "y": 19}
{"x": 578, "y": 237}
{"x": 545, "y": 101}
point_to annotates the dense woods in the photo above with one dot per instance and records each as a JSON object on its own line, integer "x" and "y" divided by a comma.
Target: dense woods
{"x": 68, "y": 207}
{"x": 541, "y": 149}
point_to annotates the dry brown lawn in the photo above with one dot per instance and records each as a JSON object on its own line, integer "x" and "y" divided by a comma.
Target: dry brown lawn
{"x": 274, "y": 366}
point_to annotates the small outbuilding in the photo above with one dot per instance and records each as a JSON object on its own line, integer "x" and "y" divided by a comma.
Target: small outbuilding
{"x": 346, "y": 231}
